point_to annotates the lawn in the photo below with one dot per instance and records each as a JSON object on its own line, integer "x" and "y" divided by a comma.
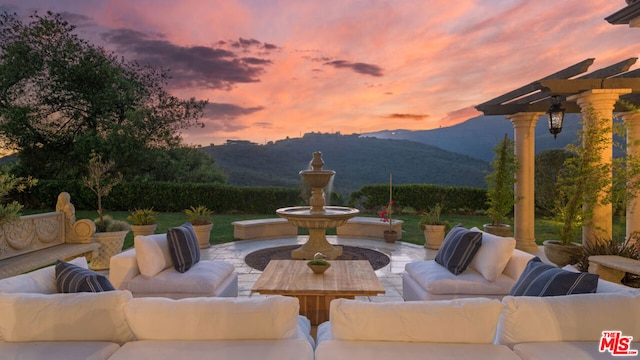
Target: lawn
{"x": 222, "y": 231}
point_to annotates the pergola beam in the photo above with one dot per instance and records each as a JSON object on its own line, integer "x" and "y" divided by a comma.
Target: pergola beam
{"x": 569, "y": 72}
{"x": 575, "y": 86}
{"x": 611, "y": 70}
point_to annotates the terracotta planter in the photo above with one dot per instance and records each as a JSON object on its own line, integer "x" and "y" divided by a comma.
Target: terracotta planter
{"x": 390, "y": 236}
{"x": 503, "y": 230}
{"x": 110, "y": 244}
{"x": 433, "y": 236}
{"x": 561, "y": 254}
{"x": 143, "y": 230}
{"x": 203, "y": 233}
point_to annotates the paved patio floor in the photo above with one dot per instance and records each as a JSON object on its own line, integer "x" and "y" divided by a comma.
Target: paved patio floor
{"x": 399, "y": 252}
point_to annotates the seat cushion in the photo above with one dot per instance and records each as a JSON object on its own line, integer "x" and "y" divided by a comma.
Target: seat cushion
{"x": 435, "y": 279}
{"x": 68, "y": 350}
{"x": 493, "y": 255}
{"x": 540, "y": 279}
{"x": 42, "y": 281}
{"x": 458, "y": 249}
{"x": 72, "y": 278}
{"x": 183, "y": 247}
{"x": 202, "y": 278}
{"x": 152, "y": 254}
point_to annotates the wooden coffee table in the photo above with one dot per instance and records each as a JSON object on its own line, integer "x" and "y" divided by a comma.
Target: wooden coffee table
{"x": 344, "y": 279}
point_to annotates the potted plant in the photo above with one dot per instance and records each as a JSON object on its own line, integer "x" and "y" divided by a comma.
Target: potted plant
{"x": 583, "y": 182}
{"x": 110, "y": 233}
{"x": 143, "y": 221}
{"x": 433, "y": 227}
{"x": 386, "y": 215}
{"x": 500, "y": 193}
{"x": 200, "y": 219}
{"x": 319, "y": 265}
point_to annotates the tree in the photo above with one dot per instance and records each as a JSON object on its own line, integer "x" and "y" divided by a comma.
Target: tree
{"x": 500, "y": 181}
{"x": 62, "y": 98}
{"x": 548, "y": 165}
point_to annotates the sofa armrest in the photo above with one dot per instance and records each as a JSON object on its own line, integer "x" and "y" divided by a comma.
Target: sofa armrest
{"x": 122, "y": 268}
{"x": 517, "y": 263}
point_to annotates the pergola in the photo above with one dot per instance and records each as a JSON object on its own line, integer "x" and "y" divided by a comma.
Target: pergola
{"x": 599, "y": 91}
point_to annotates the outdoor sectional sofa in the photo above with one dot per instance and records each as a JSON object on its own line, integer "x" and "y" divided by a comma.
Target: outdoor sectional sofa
{"x": 492, "y": 272}
{"x": 147, "y": 270}
{"x": 525, "y": 327}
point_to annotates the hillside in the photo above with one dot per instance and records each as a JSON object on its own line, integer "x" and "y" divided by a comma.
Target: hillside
{"x": 477, "y": 136}
{"x": 356, "y": 160}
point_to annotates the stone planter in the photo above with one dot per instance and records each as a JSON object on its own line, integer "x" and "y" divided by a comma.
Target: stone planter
{"x": 561, "y": 254}
{"x": 143, "y": 230}
{"x": 433, "y": 236}
{"x": 503, "y": 230}
{"x": 110, "y": 244}
{"x": 203, "y": 233}
{"x": 390, "y": 236}
{"x": 319, "y": 269}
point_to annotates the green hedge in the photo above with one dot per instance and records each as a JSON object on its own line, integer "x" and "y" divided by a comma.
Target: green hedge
{"x": 421, "y": 197}
{"x": 163, "y": 196}
{"x": 175, "y": 197}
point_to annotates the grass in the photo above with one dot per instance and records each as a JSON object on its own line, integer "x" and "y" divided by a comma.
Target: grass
{"x": 222, "y": 231}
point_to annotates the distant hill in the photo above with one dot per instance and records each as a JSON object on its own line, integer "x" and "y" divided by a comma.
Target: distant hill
{"x": 357, "y": 161}
{"x": 476, "y": 137}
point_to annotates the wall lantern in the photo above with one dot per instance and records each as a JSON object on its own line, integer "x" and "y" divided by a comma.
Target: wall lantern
{"x": 556, "y": 115}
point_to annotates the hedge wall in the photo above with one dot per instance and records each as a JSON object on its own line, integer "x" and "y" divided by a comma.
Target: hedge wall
{"x": 420, "y": 197}
{"x": 175, "y": 197}
{"x": 163, "y": 196}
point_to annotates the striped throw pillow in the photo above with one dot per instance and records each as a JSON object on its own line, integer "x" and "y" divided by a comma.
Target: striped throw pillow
{"x": 72, "y": 278}
{"x": 183, "y": 247}
{"x": 458, "y": 249}
{"x": 540, "y": 279}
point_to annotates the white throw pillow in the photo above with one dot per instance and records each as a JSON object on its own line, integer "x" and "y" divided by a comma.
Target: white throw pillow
{"x": 42, "y": 281}
{"x": 493, "y": 255}
{"x": 65, "y": 317}
{"x": 152, "y": 254}
{"x": 472, "y": 320}
{"x": 204, "y": 318}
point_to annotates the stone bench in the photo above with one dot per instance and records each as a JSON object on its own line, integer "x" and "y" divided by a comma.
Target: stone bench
{"x": 613, "y": 267}
{"x": 263, "y": 228}
{"x": 38, "y": 240}
{"x": 371, "y": 227}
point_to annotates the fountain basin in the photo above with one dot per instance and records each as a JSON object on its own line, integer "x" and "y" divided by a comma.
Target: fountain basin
{"x": 317, "y": 222}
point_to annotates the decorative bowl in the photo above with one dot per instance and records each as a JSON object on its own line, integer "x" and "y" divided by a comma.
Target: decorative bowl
{"x": 319, "y": 269}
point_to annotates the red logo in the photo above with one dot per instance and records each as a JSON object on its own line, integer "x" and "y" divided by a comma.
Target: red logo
{"x": 617, "y": 344}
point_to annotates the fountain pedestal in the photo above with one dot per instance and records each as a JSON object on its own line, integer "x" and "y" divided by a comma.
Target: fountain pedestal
{"x": 317, "y": 217}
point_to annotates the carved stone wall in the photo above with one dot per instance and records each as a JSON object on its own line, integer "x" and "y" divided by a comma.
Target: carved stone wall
{"x": 32, "y": 232}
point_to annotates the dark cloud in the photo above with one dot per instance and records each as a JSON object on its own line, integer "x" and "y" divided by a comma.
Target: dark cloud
{"x": 223, "y": 117}
{"x": 407, "y": 116}
{"x": 362, "y": 68}
{"x": 193, "y": 66}
{"x": 262, "y": 124}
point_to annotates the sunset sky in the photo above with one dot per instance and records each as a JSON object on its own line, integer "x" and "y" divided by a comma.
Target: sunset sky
{"x": 272, "y": 69}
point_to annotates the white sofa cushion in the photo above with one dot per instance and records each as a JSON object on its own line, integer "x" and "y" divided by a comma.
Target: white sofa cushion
{"x": 152, "y": 254}
{"x": 378, "y": 350}
{"x": 67, "y": 350}
{"x": 202, "y": 278}
{"x": 572, "y": 350}
{"x": 65, "y": 317}
{"x": 580, "y": 317}
{"x": 493, "y": 255}
{"x": 435, "y": 279}
{"x": 42, "y": 281}
{"x": 471, "y": 320}
{"x": 273, "y": 317}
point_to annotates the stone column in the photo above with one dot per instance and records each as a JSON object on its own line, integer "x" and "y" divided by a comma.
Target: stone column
{"x": 602, "y": 102}
{"x": 524, "y": 126}
{"x": 632, "y": 121}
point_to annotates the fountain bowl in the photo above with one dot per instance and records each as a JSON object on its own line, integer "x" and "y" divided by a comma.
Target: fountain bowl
{"x": 331, "y": 216}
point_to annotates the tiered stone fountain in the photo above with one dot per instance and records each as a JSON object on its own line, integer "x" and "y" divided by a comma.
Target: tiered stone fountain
{"x": 317, "y": 217}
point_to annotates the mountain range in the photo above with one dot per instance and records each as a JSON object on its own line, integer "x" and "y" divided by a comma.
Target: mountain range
{"x": 452, "y": 156}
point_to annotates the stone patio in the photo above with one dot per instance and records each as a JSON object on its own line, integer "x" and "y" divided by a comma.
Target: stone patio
{"x": 399, "y": 252}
